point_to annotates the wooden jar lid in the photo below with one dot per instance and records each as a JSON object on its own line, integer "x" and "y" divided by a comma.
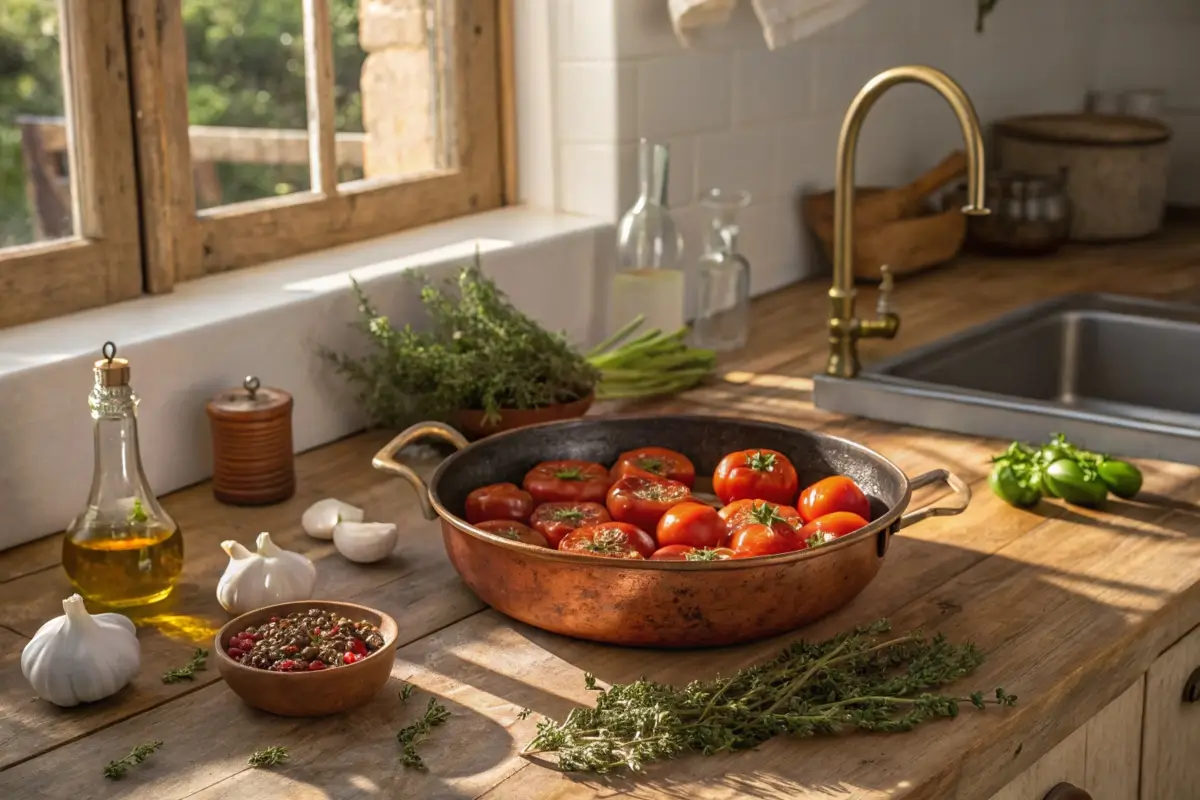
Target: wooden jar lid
{"x": 253, "y": 462}
{"x": 1097, "y": 130}
{"x": 251, "y": 402}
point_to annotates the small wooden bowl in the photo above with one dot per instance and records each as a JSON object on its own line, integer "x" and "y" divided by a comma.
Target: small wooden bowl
{"x": 309, "y": 694}
{"x": 906, "y": 245}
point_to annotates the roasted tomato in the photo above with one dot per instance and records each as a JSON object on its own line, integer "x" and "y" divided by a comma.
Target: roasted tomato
{"x": 609, "y": 540}
{"x": 835, "y": 493}
{"x": 681, "y": 552}
{"x": 499, "y": 501}
{"x": 756, "y": 475}
{"x": 757, "y": 539}
{"x": 829, "y": 527}
{"x": 693, "y": 524}
{"x": 739, "y": 512}
{"x": 568, "y": 481}
{"x": 655, "y": 462}
{"x": 643, "y": 501}
{"x": 556, "y": 520}
{"x": 511, "y": 529}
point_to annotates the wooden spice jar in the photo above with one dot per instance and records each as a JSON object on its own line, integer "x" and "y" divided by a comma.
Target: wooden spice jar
{"x": 253, "y": 463}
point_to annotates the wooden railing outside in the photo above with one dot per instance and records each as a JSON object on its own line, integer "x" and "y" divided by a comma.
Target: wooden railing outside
{"x": 47, "y": 182}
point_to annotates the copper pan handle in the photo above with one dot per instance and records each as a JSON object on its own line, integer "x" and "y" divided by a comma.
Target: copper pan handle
{"x": 957, "y": 485}
{"x": 385, "y": 459}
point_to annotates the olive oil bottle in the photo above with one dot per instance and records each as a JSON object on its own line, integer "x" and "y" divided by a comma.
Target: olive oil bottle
{"x": 123, "y": 549}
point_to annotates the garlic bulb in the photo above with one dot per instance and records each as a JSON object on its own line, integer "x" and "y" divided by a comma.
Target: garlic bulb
{"x": 269, "y": 576}
{"x": 321, "y": 517}
{"x": 80, "y": 657}
{"x": 365, "y": 542}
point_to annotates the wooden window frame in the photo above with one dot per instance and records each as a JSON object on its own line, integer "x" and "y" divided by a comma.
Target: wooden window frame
{"x": 101, "y": 263}
{"x": 181, "y": 243}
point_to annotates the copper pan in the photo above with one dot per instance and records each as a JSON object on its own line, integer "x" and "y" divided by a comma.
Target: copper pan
{"x": 662, "y": 603}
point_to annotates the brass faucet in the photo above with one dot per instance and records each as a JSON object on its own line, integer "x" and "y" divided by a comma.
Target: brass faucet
{"x": 845, "y": 329}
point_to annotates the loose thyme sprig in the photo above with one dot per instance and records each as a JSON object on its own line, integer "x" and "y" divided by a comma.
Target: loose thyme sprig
{"x": 117, "y": 769}
{"x": 188, "y": 671}
{"x": 269, "y": 757}
{"x": 851, "y": 681}
{"x": 409, "y": 737}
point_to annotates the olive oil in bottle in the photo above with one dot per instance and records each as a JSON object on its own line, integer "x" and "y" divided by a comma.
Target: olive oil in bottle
{"x": 123, "y": 549}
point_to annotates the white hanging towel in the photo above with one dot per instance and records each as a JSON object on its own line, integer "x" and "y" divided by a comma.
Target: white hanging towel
{"x": 783, "y": 21}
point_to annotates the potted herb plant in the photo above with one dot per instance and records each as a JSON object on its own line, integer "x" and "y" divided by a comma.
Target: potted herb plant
{"x": 483, "y": 365}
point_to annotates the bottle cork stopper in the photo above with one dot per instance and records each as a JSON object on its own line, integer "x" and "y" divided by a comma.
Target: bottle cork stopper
{"x": 110, "y": 370}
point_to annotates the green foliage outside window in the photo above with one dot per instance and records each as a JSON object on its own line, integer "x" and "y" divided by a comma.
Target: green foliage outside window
{"x": 245, "y": 69}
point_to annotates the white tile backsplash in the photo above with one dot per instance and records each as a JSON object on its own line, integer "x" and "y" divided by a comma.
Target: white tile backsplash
{"x": 588, "y": 94}
{"x": 743, "y": 159}
{"x": 768, "y": 87}
{"x": 684, "y": 93}
{"x": 738, "y": 115}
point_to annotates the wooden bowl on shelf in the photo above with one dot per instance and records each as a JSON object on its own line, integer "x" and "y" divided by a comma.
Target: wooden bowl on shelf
{"x": 308, "y": 694}
{"x": 907, "y": 245}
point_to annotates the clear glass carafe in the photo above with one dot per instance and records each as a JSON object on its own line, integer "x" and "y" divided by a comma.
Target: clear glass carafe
{"x": 123, "y": 549}
{"x": 723, "y": 277}
{"x": 649, "y": 281}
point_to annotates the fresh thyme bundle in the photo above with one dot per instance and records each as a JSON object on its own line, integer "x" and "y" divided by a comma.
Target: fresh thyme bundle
{"x": 855, "y": 680}
{"x": 481, "y": 353}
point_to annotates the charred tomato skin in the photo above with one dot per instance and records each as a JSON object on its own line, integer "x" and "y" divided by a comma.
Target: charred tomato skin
{"x": 643, "y": 501}
{"x": 610, "y": 540}
{"x": 568, "y": 480}
{"x": 655, "y": 462}
{"x": 499, "y": 501}
{"x": 756, "y": 474}
{"x": 556, "y": 520}
{"x": 693, "y": 524}
{"x": 511, "y": 529}
{"x": 835, "y": 493}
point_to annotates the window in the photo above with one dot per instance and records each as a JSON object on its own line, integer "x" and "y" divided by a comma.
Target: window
{"x": 189, "y": 137}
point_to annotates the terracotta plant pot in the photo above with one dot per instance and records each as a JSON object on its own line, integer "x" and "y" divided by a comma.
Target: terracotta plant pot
{"x": 309, "y": 694}
{"x": 471, "y": 421}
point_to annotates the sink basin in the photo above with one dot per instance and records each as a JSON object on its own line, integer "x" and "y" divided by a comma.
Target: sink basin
{"x": 1115, "y": 374}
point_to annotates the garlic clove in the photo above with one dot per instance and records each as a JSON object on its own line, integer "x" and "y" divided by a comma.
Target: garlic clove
{"x": 322, "y": 517}
{"x": 235, "y": 550}
{"x": 365, "y": 542}
{"x": 270, "y": 575}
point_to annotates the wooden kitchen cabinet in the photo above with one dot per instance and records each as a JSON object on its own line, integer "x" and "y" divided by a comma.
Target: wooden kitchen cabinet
{"x": 1171, "y": 743}
{"x": 1102, "y": 757}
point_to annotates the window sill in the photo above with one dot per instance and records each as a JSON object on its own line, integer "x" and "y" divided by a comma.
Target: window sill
{"x": 269, "y": 321}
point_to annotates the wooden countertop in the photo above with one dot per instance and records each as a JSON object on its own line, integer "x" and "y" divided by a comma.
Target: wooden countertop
{"x": 1071, "y": 605}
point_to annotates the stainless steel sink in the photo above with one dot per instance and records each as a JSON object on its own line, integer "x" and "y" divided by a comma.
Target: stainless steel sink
{"x": 1115, "y": 374}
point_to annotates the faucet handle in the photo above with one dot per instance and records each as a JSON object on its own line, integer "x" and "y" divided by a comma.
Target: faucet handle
{"x": 883, "y": 305}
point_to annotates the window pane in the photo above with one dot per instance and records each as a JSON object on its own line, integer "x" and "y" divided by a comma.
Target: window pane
{"x": 392, "y": 71}
{"x": 35, "y": 188}
{"x": 246, "y": 101}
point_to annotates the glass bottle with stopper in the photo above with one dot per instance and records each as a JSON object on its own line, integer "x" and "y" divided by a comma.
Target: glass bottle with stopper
{"x": 649, "y": 248}
{"x": 723, "y": 279}
{"x": 123, "y": 549}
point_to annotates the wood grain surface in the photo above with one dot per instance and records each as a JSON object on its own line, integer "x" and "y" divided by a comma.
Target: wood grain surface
{"x": 1072, "y": 606}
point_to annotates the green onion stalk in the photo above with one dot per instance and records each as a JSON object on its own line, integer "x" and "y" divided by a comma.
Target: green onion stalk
{"x": 652, "y": 363}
